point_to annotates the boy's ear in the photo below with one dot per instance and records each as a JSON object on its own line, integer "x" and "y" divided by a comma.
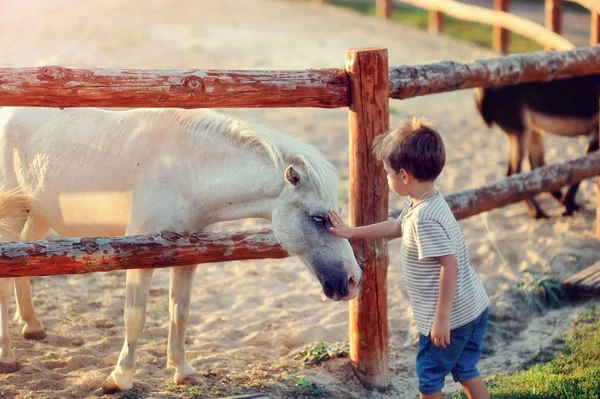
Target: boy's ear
{"x": 404, "y": 175}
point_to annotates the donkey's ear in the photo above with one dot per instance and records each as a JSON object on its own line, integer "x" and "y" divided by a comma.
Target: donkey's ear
{"x": 292, "y": 176}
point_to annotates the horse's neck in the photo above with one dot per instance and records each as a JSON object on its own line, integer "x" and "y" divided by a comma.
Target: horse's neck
{"x": 247, "y": 187}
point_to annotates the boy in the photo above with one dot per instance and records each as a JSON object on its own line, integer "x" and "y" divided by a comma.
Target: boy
{"x": 449, "y": 302}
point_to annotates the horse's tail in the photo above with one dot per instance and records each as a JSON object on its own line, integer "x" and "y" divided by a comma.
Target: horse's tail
{"x": 13, "y": 204}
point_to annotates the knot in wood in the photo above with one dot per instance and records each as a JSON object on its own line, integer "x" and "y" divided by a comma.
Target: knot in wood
{"x": 194, "y": 84}
{"x": 55, "y": 74}
{"x": 87, "y": 245}
{"x": 170, "y": 236}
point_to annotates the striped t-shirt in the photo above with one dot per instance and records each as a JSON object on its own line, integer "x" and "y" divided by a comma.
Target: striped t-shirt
{"x": 429, "y": 230}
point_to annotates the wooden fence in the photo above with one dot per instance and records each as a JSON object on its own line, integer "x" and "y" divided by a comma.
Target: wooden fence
{"x": 364, "y": 87}
{"x": 502, "y": 20}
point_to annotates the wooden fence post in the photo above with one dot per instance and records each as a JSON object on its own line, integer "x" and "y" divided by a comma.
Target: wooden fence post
{"x": 369, "y": 117}
{"x": 554, "y": 16}
{"x": 384, "y": 8}
{"x": 501, "y": 35}
{"x": 436, "y": 22}
{"x": 595, "y": 29}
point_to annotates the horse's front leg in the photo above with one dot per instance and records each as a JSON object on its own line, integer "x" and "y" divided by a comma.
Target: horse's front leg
{"x": 7, "y": 360}
{"x": 179, "y": 310}
{"x": 138, "y": 285}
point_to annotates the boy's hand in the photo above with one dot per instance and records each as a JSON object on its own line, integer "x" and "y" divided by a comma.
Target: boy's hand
{"x": 339, "y": 227}
{"x": 440, "y": 332}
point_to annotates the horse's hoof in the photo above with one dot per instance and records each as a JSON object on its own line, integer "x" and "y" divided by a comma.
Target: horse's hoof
{"x": 192, "y": 379}
{"x": 34, "y": 330}
{"x": 540, "y": 215}
{"x": 8, "y": 367}
{"x": 109, "y": 386}
{"x": 34, "y": 335}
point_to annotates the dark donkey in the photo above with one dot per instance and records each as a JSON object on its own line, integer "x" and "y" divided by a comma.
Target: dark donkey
{"x": 567, "y": 107}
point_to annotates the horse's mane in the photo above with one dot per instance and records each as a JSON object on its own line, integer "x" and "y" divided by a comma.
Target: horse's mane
{"x": 281, "y": 149}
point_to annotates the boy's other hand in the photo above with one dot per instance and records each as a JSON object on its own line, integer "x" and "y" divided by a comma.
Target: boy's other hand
{"x": 440, "y": 332}
{"x": 339, "y": 227}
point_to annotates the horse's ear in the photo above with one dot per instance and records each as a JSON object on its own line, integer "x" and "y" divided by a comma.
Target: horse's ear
{"x": 292, "y": 176}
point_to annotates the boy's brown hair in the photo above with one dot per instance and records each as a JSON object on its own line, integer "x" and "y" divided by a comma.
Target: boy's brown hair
{"x": 415, "y": 147}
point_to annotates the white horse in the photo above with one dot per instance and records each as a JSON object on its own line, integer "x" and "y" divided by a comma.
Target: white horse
{"x": 94, "y": 172}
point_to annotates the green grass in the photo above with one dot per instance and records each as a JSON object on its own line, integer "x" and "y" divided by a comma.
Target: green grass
{"x": 574, "y": 373}
{"x": 473, "y": 32}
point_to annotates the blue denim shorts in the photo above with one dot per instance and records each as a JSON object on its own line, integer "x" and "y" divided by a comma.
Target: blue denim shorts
{"x": 460, "y": 358}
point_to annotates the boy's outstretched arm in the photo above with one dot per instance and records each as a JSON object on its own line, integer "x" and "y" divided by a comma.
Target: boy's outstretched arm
{"x": 387, "y": 229}
{"x": 440, "y": 331}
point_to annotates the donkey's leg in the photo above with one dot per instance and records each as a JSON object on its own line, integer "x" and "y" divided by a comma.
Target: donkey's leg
{"x": 516, "y": 151}
{"x": 137, "y": 287}
{"x": 179, "y": 310}
{"x": 7, "y": 360}
{"x": 518, "y": 144}
{"x": 569, "y": 198}
{"x": 536, "y": 155}
{"x": 35, "y": 229}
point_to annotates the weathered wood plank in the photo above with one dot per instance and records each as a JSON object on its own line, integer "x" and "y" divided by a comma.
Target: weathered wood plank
{"x": 542, "y": 66}
{"x": 517, "y": 187}
{"x": 500, "y": 35}
{"x": 595, "y": 29}
{"x": 586, "y": 280}
{"x": 436, "y": 22}
{"x": 384, "y": 8}
{"x": 368, "y": 118}
{"x": 554, "y": 17}
{"x": 88, "y": 255}
{"x": 55, "y": 86}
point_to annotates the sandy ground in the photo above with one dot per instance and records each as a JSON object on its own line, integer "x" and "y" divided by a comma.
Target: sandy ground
{"x": 248, "y": 317}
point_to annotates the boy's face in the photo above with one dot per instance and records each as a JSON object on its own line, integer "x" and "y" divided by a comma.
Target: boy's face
{"x": 396, "y": 181}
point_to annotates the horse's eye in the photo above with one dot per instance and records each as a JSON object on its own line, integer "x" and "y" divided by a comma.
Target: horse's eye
{"x": 318, "y": 218}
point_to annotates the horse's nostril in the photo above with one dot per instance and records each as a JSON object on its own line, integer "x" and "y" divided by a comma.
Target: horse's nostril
{"x": 328, "y": 289}
{"x": 352, "y": 283}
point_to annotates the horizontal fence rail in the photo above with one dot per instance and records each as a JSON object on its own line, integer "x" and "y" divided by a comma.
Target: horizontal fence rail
{"x": 420, "y": 80}
{"x": 55, "y": 86}
{"x": 325, "y": 88}
{"x": 104, "y": 254}
{"x": 517, "y": 187}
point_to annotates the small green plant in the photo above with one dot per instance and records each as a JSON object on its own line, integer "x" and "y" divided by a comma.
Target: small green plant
{"x": 302, "y": 382}
{"x": 173, "y": 388}
{"x": 319, "y": 353}
{"x": 311, "y": 389}
{"x": 194, "y": 390}
{"x": 539, "y": 292}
